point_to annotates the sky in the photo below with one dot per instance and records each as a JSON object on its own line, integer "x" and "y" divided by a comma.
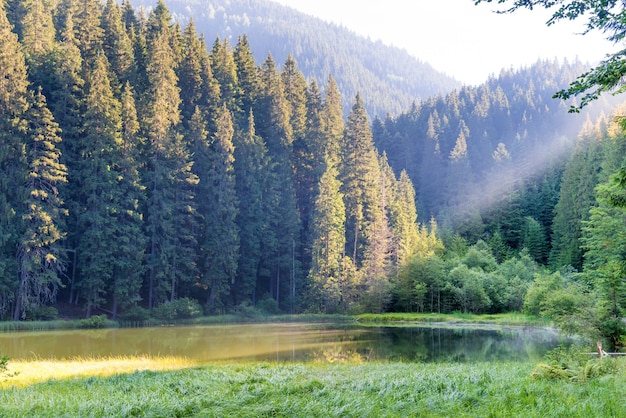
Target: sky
{"x": 460, "y": 39}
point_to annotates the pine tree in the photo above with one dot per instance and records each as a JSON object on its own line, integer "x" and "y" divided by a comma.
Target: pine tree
{"x": 218, "y": 206}
{"x": 252, "y": 167}
{"x": 190, "y": 72}
{"x": 13, "y": 161}
{"x": 404, "y": 220}
{"x": 224, "y": 70}
{"x": 170, "y": 208}
{"x": 247, "y": 76}
{"x": 360, "y": 174}
{"x": 117, "y": 45}
{"x": 96, "y": 192}
{"x": 39, "y": 259}
{"x": 328, "y": 230}
{"x": 280, "y": 202}
{"x": 332, "y": 122}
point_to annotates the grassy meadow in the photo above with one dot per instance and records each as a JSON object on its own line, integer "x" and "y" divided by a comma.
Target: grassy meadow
{"x": 172, "y": 387}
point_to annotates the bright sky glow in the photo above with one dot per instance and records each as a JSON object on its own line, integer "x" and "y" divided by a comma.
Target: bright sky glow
{"x": 458, "y": 38}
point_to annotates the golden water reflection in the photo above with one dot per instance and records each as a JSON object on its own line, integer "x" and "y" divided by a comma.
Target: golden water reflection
{"x": 283, "y": 342}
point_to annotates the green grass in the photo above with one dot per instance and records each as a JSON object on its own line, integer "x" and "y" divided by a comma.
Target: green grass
{"x": 11, "y": 326}
{"x": 514, "y": 318}
{"x": 322, "y": 390}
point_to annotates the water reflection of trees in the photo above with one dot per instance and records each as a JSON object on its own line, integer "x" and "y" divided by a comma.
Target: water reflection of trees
{"x": 290, "y": 342}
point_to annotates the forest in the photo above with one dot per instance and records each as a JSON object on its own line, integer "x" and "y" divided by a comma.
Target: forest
{"x": 147, "y": 171}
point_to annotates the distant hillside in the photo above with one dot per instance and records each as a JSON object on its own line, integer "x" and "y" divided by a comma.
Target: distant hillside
{"x": 388, "y": 78}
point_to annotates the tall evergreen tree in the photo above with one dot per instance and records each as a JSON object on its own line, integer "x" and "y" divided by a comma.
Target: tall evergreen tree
{"x": 247, "y": 76}
{"x": 40, "y": 261}
{"x": 224, "y": 70}
{"x": 217, "y": 204}
{"x": 170, "y": 208}
{"x": 252, "y": 165}
{"x": 360, "y": 174}
{"x": 13, "y": 162}
{"x": 97, "y": 194}
{"x": 117, "y": 44}
{"x": 329, "y": 242}
{"x": 332, "y": 122}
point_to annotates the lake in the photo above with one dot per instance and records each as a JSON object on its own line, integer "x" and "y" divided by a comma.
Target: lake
{"x": 290, "y": 342}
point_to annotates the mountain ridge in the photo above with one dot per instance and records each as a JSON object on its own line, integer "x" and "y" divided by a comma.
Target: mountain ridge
{"x": 388, "y": 78}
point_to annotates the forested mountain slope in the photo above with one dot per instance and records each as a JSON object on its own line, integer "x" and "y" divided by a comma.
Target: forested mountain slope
{"x": 388, "y": 78}
{"x": 474, "y": 150}
{"x": 143, "y": 170}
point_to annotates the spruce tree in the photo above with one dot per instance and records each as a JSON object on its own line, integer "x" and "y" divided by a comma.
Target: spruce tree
{"x": 218, "y": 206}
{"x": 97, "y": 195}
{"x": 224, "y": 70}
{"x": 328, "y": 246}
{"x": 170, "y": 212}
{"x": 251, "y": 167}
{"x": 117, "y": 44}
{"x": 40, "y": 260}
{"x": 360, "y": 174}
{"x": 13, "y": 161}
{"x": 247, "y": 76}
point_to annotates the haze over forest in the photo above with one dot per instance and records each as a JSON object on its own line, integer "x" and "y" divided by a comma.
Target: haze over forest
{"x": 257, "y": 158}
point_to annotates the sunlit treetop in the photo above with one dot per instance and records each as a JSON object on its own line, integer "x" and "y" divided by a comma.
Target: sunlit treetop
{"x": 608, "y": 16}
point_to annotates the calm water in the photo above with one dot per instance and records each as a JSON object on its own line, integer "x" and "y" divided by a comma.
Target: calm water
{"x": 288, "y": 342}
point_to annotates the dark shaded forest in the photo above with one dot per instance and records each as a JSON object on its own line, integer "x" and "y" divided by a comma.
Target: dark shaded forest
{"x": 144, "y": 170}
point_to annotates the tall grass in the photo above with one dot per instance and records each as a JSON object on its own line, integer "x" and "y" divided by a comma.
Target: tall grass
{"x": 513, "y": 318}
{"x": 314, "y": 390}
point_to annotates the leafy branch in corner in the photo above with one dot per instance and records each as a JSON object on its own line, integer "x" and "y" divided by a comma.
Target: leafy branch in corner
{"x": 608, "y": 16}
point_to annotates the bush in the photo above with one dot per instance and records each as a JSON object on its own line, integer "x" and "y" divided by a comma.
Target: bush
{"x": 246, "y": 309}
{"x": 95, "y": 321}
{"x": 268, "y": 306}
{"x": 135, "y": 314}
{"x": 42, "y": 313}
{"x": 183, "y": 308}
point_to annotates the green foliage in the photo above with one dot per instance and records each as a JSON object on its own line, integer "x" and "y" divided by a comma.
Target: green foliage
{"x": 183, "y": 308}
{"x": 605, "y": 16}
{"x": 42, "y": 313}
{"x": 574, "y": 365}
{"x": 94, "y": 321}
{"x": 135, "y": 314}
{"x": 268, "y": 306}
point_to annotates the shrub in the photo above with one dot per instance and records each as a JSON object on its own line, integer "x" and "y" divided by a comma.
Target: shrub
{"x": 183, "y": 308}
{"x": 43, "y": 313}
{"x": 94, "y": 321}
{"x": 135, "y": 314}
{"x": 268, "y": 306}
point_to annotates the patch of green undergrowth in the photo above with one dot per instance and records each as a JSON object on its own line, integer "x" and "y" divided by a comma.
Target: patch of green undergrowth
{"x": 573, "y": 364}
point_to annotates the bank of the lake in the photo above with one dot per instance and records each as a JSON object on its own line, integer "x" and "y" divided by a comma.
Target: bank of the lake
{"x": 101, "y": 321}
{"x": 499, "y": 389}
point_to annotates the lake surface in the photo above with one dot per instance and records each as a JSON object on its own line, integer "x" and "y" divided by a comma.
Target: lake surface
{"x": 289, "y": 342}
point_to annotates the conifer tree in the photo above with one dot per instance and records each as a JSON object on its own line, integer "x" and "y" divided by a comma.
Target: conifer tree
{"x": 218, "y": 207}
{"x": 13, "y": 162}
{"x": 224, "y": 70}
{"x": 328, "y": 246}
{"x": 404, "y": 220}
{"x": 332, "y": 122}
{"x": 117, "y": 45}
{"x": 97, "y": 192}
{"x": 251, "y": 167}
{"x": 280, "y": 203}
{"x": 360, "y": 174}
{"x": 170, "y": 208}
{"x": 247, "y": 76}
{"x": 40, "y": 261}
{"x": 190, "y": 72}
{"x": 37, "y": 31}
